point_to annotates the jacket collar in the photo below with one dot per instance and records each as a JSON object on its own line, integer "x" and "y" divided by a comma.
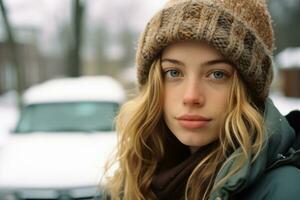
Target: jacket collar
{"x": 278, "y": 140}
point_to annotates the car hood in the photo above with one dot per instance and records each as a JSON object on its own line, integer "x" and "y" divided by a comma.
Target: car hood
{"x": 47, "y": 160}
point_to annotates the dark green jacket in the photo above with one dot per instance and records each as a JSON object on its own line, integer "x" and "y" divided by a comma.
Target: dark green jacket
{"x": 274, "y": 175}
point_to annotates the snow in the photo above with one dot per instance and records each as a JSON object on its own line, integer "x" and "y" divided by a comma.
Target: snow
{"x": 285, "y": 104}
{"x": 92, "y": 88}
{"x": 289, "y": 58}
{"x": 40, "y": 160}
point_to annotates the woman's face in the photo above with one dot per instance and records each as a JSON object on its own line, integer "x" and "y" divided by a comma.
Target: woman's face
{"x": 197, "y": 81}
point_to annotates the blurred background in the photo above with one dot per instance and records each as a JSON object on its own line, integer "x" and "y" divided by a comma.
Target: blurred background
{"x": 69, "y": 38}
{"x": 51, "y": 39}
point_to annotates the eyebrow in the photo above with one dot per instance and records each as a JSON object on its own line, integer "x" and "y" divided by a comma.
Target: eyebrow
{"x": 208, "y": 63}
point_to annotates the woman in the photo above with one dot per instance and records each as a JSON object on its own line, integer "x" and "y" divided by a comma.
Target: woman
{"x": 202, "y": 126}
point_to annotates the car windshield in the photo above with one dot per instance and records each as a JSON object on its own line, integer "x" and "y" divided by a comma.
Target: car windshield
{"x": 68, "y": 117}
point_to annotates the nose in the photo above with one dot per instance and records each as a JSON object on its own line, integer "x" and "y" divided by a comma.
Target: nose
{"x": 193, "y": 93}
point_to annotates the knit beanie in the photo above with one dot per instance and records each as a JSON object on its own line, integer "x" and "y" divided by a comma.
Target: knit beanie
{"x": 240, "y": 29}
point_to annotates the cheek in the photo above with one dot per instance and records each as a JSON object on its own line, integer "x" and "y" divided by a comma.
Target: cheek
{"x": 222, "y": 94}
{"x": 219, "y": 101}
{"x": 167, "y": 107}
{"x": 171, "y": 102}
{"x": 222, "y": 101}
{"x": 170, "y": 97}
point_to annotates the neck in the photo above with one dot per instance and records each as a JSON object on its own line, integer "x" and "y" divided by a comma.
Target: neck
{"x": 193, "y": 149}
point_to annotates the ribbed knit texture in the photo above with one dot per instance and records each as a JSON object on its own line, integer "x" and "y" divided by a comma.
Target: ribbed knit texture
{"x": 240, "y": 29}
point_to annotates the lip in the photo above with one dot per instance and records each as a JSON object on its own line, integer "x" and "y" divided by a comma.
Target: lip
{"x": 193, "y": 121}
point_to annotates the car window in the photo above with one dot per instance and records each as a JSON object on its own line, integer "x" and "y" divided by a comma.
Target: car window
{"x": 68, "y": 117}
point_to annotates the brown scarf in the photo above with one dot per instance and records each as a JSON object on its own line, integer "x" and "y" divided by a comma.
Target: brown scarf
{"x": 170, "y": 179}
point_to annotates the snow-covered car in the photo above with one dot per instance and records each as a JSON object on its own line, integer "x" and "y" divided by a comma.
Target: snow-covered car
{"x": 62, "y": 140}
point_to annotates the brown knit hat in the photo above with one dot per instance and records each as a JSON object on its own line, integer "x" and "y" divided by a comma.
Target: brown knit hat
{"x": 240, "y": 29}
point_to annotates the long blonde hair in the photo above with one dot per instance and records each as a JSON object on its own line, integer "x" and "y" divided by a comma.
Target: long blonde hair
{"x": 141, "y": 142}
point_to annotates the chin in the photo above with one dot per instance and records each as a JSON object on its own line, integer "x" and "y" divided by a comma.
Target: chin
{"x": 194, "y": 141}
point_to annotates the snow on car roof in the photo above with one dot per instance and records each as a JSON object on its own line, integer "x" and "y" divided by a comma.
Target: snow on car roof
{"x": 88, "y": 88}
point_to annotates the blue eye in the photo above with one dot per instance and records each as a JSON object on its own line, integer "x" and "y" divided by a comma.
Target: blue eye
{"x": 218, "y": 74}
{"x": 173, "y": 73}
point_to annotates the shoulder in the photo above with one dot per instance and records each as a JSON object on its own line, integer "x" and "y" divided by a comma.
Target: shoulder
{"x": 277, "y": 184}
{"x": 284, "y": 177}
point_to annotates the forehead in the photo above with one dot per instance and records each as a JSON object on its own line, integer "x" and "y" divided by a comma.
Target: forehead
{"x": 185, "y": 49}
